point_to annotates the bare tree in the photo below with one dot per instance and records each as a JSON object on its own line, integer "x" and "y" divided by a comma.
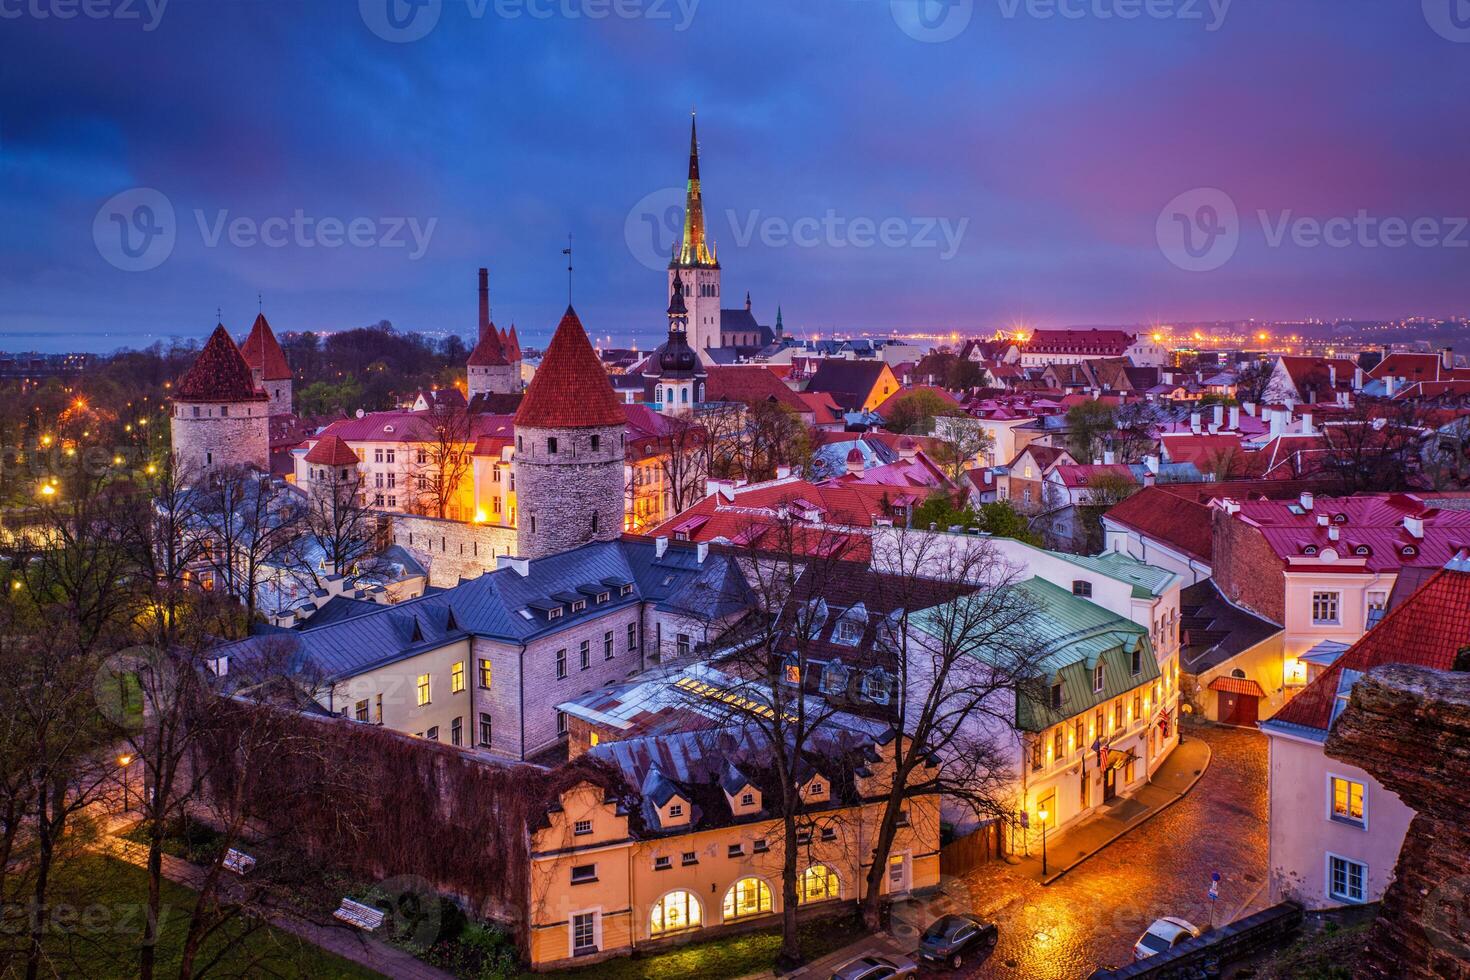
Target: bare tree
{"x": 959, "y": 665}
{"x": 681, "y": 460}
{"x": 250, "y": 524}
{"x": 441, "y": 462}
{"x": 340, "y": 526}
{"x": 1374, "y": 447}
{"x": 963, "y": 444}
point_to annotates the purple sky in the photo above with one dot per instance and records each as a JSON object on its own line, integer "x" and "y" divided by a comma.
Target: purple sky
{"x": 1016, "y": 172}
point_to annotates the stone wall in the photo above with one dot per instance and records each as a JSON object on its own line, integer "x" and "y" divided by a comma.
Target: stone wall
{"x": 569, "y": 497}
{"x": 452, "y": 550}
{"x": 214, "y": 439}
{"x": 1409, "y": 727}
{"x": 1246, "y": 568}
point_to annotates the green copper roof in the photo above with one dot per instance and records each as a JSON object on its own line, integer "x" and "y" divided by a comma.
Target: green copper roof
{"x": 1148, "y": 581}
{"x": 1074, "y": 635}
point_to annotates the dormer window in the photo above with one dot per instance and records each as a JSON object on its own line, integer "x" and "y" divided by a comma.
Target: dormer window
{"x": 1408, "y": 551}
{"x": 582, "y": 828}
{"x": 1362, "y": 549}
{"x": 792, "y": 671}
{"x": 1082, "y": 587}
{"x": 747, "y": 799}
{"x": 848, "y": 632}
{"x": 578, "y": 605}
{"x": 554, "y": 613}
{"x": 603, "y": 596}
{"x": 676, "y": 810}
{"x": 1056, "y": 696}
{"x": 875, "y": 686}
{"x": 626, "y": 590}
{"x": 1310, "y": 549}
{"x": 1097, "y": 679}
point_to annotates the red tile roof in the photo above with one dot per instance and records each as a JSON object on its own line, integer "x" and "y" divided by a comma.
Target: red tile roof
{"x": 1172, "y": 520}
{"x": 490, "y": 350}
{"x": 1417, "y": 367}
{"x": 413, "y": 427}
{"x": 570, "y": 389}
{"x": 749, "y": 384}
{"x": 1428, "y": 630}
{"x": 1318, "y": 373}
{"x": 1109, "y": 342}
{"x": 218, "y": 374}
{"x": 944, "y": 395}
{"x": 1374, "y": 522}
{"x": 1086, "y": 474}
{"x": 1237, "y": 685}
{"x": 330, "y": 450}
{"x": 262, "y": 353}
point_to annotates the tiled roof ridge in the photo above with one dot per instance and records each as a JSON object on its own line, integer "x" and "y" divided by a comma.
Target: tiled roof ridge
{"x": 570, "y": 389}
{"x": 218, "y": 374}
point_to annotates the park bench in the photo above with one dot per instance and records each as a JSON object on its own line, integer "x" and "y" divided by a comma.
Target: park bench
{"x": 360, "y": 915}
{"x": 238, "y": 862}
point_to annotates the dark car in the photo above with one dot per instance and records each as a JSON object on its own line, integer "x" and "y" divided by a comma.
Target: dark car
{"x": 953, "y": 937}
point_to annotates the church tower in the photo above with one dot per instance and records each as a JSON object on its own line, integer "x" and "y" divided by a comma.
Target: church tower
{"x": 695, "y": 263}
{"x": 268, "y": 365}
{"x": 568, "y": 462}
{"x": 674, "y": 377}
{"x": 490, "y": 369}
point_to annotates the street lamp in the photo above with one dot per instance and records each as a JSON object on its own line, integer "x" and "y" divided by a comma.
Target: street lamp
{"x": 123, "y": 762}
{"x": 1043, "y": 813}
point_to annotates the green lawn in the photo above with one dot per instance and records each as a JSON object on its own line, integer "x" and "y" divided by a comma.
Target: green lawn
{"x": 722, "y": 959}
{"x": 98, "y": 905}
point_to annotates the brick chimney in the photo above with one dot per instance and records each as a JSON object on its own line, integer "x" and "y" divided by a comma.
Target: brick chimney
{"x": 484, "y": 298}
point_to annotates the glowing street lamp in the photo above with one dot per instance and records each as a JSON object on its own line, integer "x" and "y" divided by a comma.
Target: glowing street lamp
{"x": 1043, "y": 813}
{"x": 123, "y": 761}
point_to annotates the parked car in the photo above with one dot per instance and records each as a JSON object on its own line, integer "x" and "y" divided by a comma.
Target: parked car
{"x": 950, "y": 938}
{"x": 879, "y": 966}
{"x": 1162, "y": 936}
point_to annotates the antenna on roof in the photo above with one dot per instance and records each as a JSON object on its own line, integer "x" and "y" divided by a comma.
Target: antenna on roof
{"x": 568, "y": 253}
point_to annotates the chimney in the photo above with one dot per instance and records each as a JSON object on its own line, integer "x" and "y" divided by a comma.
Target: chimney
{"x": 1250, "y": 409}
{"x": 1109, "y": 458}
{"x": 1358, "y": 378}
{"x": 1307, "y": 424}
{"x": 1415, "y": 526}
{"x": 521, "y": 565}
{"x": 1388, "y": 380}
{"x": 484, "y": 298}
{"x": 1219, "y": 416}
{"x": 1332, "y": 374}
{"x": 1306, "y": 500}
{"x": 1447, "y": 358}
{"x": 1149, "y": 479}
{"x": 701, "y": 551}
{"x": 660, "y": 545}
{"x": 1277, "y": 420}
{"x": 1194, "y": 421}
{"x": 782, "y": 472}
{"x": 1234, "y": 416}
{"x": 1332, "y": 534}
{"x": 1151, "y": 463}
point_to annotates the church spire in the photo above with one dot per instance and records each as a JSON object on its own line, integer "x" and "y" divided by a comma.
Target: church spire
{"x": 695, "y": 248}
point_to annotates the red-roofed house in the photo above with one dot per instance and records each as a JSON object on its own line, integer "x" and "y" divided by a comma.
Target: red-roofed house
{"x": 1045, "y": 347}
{"x": 1023, "y": 482}
{"x": 1306, "y": 380}
{"x": 1409, "y": 368}
{"x": 1322, "y": 566}
{"x": 1335, "y": 831}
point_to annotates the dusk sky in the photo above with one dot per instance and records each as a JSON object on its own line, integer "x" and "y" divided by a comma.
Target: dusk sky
{"x": 862, "y": 168}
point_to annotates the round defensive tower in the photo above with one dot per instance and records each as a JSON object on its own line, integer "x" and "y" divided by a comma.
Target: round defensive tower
{"x": 219, "y": 417}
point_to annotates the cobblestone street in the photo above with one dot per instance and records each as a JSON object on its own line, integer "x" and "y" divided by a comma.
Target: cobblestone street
{"x": 1092, "y": 916}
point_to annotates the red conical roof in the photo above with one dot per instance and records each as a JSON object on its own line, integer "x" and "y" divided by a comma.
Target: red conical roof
{"x": 512, "y": 344}
{"x": 219, "y": 374}
{"x": 330, "y": 450}
{"x": 570, "y": 390}
{"x": 261, "y": 352}
{"x": 488, "y": 352}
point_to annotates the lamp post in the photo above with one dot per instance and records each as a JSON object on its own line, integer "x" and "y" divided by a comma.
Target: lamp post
{"x": 1043, "y": 813}
{"x": 123, "y": 762}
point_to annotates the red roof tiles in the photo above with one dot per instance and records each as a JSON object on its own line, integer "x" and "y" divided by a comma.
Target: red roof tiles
{"x": 570, "y": 389}
{"x": 1370, "y": 527}
{"x": 490, "y": 350}
{"x": 1428, "y": 630}
{"x": 218, "y": 374}
{"x": 330, "y": 450}
{"x": 262, "y": 353}
{"x": 1172, "y": 520}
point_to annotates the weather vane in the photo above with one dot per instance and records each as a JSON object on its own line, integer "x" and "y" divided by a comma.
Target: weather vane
{"x": 568, "y": 253}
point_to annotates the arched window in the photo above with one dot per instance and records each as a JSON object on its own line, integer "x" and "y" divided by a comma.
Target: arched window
{"x": 817, "y": 884}
{"x": 684, "y": 395}
{"x": 658, "y": 394}
{"x": 747, "y": 897}
{"x": 675, "y": 912}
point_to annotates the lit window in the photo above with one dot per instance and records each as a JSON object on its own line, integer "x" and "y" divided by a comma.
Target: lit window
{"x": 817, "y": 884}
{"x": 1347, "y": 800}
{"x": 423, "y": 689}
{"x": 1097, "y": 679}
{"x": 486, "y": 673}
{"x": 456, "y": 677}
{"x": 675, "y": 912}
{"x": 747, "y": 897}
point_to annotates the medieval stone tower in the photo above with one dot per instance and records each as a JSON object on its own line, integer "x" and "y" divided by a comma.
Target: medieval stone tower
{"x": 268, "y": 368}
{"x": 568, "y": 462}
{"x": 494, "y": 365}
{"x": 695, "y": 264}
{"x": 220, "y": 418}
